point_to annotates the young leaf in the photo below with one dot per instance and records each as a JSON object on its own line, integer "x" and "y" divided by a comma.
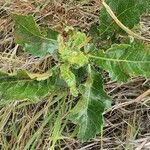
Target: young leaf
{"x": 77, "y": 40}
{"x": 69, "y": 78}
{"x": 88, "y": 111}
{"x": 78, "y": 58}
{"x": 28, "y": 35}
{"x": 123, "y": 61}
{"x": 70, "y": 51}
{"x": 127, "y": 11}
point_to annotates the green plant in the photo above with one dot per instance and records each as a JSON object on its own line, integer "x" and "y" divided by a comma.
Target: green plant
{"x": 77, "y": 66}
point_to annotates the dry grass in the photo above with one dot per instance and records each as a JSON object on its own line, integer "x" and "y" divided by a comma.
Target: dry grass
{"x": 23, "y": 124}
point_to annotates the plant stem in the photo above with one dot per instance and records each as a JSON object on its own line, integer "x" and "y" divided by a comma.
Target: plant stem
{"x": 121, "y": 25}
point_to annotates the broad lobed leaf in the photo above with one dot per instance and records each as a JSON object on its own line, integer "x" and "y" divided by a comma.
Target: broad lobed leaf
{"x": 19, "y": 88}
{"x": 24, "y": 85}
{"x": 123, "y": 61}
{"x": 29, "y": 36}
{"x": 88, "y": 112}
{"x": 127, "y": 11}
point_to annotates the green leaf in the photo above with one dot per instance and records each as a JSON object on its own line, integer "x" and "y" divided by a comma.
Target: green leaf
{"x": 51, "y": 34}
{"x": 123, "y": 61}
{"x": 27, "y": 74}
{"x": 28, "y": 35}
{"x": 69, "y": 78}
{"x": 21, "y": 87}
{"x": 77, "y": 58}
{"x": 77, "y": 40}
{"x": 80, "y": 74}
{"x": 39, "y": 77}
{"x": 70, "y": 51}
{"x": 88, "y": 113}
{"x": 127, "y": 11}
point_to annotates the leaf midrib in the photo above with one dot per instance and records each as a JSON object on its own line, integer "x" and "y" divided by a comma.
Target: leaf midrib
{"x": 118, "y": 60}
{"x": 44, "y": 38}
